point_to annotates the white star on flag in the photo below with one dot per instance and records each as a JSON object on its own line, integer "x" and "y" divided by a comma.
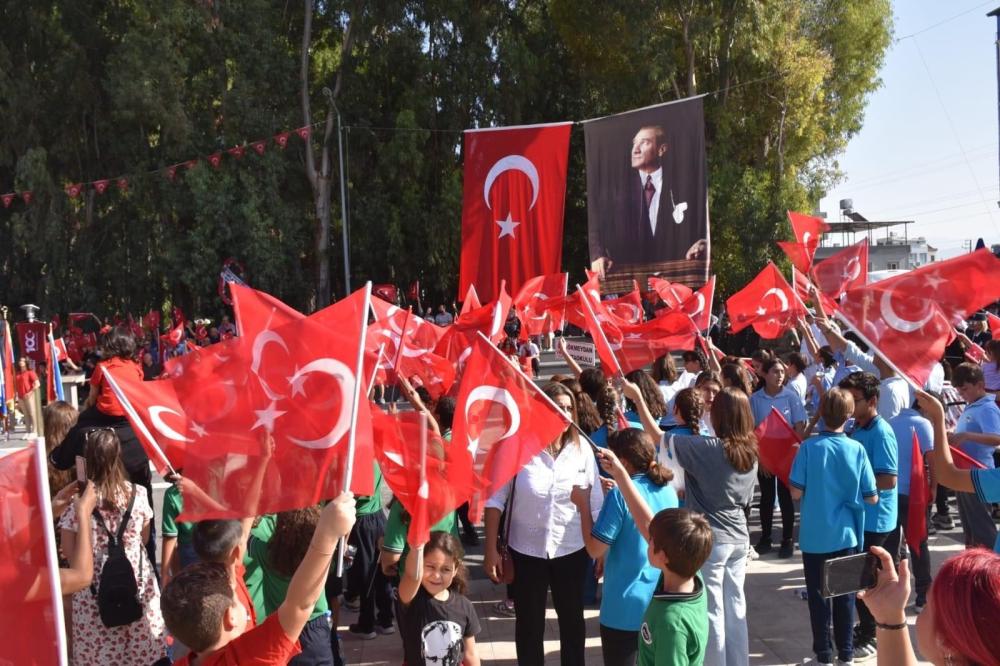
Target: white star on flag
{"x": 267, "y": 417}
{"x": 507, "y": 226}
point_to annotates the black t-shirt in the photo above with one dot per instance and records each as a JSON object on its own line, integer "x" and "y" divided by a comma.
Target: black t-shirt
{"x": 433, "y": 631}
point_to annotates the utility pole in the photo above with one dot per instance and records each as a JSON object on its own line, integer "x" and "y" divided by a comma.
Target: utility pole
{"x": 967, "y": 245}
{"x": 996, "y": 45}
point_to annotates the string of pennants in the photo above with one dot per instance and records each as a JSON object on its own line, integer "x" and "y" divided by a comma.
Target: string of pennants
{"x": 102, "y": 185}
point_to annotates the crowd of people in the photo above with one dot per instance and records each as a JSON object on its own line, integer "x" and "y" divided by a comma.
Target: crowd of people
{"x": 649, "y": 489}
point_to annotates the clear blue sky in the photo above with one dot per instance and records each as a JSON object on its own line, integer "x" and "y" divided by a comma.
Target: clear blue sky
{"x": 928, "y": 148}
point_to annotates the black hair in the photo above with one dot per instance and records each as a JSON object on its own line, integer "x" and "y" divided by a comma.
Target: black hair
{"x": 118, "y": 343}
{"x": 445, "y": 412}
{"x": 864, "y": 382}
{"x": 214, "y": 540}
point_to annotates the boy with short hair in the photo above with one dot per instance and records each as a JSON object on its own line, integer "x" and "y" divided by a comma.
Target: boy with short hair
{"x": 833, "y": 478}
{"x": 201, "y": 609}
{"x": 225, "y": 542}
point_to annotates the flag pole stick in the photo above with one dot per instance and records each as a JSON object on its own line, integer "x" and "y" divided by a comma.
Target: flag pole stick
{"x": 423, "y": 478}
{"x": 355, "y": 404}
{"x": 137, "y": 421}
{"x": 52, "y": 568}
{"x": 583, "y": 299}
{"x": 378, "y": 362}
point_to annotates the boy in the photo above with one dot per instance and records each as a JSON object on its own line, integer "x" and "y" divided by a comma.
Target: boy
{"x": 833, "y": 478}
{"x": 880, "y": 525}
{"x": 178, "y": 551}
{"x": 224, "y": 542}
{"x": 977, "y": 434}
{"x": 201, "y": 610}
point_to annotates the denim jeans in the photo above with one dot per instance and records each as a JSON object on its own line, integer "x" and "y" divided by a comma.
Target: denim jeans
{"x": 821, "y": 611}
{"x": 724, "y": 573}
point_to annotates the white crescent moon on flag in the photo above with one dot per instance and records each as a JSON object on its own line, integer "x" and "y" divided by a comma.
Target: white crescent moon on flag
{"x": 499, "y": 396}
{"x": 700, "y": 299}
{"x": 509, "y": 163}
{"x": 347, "y": 383}
{"x": 634, "y": 309}
{"x": 497, "y": 319}
{"x": 852, "y": 271}
{"x": 895, "y": 321}
{"x": 805, "y": 238}
{"x": 531, "y": 308}
{"x": 156, "y": 418}
{"x": 263, "y": 338}
{"x": 781, "y": 297}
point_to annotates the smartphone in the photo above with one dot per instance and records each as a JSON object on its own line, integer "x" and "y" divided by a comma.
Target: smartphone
{"x": 852, "y": 573}
{"x": 81, "y": 473}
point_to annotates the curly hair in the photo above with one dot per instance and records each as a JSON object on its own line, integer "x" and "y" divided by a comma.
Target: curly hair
{"x": 650, "y": 392}
{"x": 586, "y": 410}
{"x": 293, "y": 530}
{"x": 118, "y": 342}
{"x": 608, "y": 404}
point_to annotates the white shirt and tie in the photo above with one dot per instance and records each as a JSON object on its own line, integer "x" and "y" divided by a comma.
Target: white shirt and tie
{"x": 656, "y": 179}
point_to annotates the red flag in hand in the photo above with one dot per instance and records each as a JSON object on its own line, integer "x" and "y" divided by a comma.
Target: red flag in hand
{"x": 673, "y": 294}
{"x": 159, "y": 420}
{"x": 804, "y": 290}
{"x": 699, "y": 305}
{"x": 627, "y": 308}
{"x": 768, "y": 303}
{"x": 797, "y": 253}
{"x": 531, "y": 301}
{"x": 512, "y": 205}
{"x": 843, "y": 271}
{"x": 471, "y": 301}
{"x": 31, "y": 614}
{"x": 920, "y": 499}
{"x": 994, "y": 324}
{"x": 807, "y": 228}
{"x": 637, "y": 346}
{"x": 964, "y": 461}
{"x": 593, "y": 326}
{"x": 778, "y": 443}
{"x": 502, "y": 419}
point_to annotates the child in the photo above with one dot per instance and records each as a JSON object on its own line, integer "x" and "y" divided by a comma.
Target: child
{"x": 674, "y": 629}
{"x": 201, "y": 610}
{"x": 833, "y": 478}
{"x": 178, "y": 549}
{"x": 118, "y": 349}
{"x": 224, "y": 542}
{"x": 437, "y": 623}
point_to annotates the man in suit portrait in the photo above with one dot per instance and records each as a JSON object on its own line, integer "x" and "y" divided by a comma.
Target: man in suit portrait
{"x": 649, "y": 225}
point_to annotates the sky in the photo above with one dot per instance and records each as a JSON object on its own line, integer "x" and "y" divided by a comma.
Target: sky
{"x": 928, "y": 148}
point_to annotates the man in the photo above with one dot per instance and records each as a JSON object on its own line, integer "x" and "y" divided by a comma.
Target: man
{"x": 226, "y": 327}
{"x": 978, "y": 435}
{"x": 150, "y": 369}
{"x": 651, "y": 225}
{"x": 443, "y": 317}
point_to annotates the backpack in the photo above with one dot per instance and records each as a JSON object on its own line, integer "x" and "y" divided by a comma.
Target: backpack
{"x": 117, "y": 591}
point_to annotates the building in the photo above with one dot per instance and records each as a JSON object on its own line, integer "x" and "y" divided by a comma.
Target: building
{"x": 892, "y": 251}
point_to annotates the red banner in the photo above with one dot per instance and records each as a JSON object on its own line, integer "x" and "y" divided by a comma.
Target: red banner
{"x": 31, "y": 337}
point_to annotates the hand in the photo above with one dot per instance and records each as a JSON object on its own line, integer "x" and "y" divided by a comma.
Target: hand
{"x": 607, "y": 484}
{"x": 580, "y": 497}
{"x": 598, "y": 568}
{"x": 956, "y": 438}
{"x": 390, "y": 564}
{"x": 698, "y": 250}
{"x": 87, "y": 500}
{"x": 887, "y": 600}
{"x": 631, "y": 391}
{"x": 339, "y": 514}
{"x": 610, "y": 463}
{"x": 493, "y": 565}
{"x": 930, "y": 407}
{"x": 64, "y": 497}
{"x": 561, "y": 345}
{"x": 266, "y": 445}
{"x": 601, "y": 266}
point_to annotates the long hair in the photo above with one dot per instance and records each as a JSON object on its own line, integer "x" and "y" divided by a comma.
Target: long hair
{"x": 608, "y": 404}
{"x": 650, "y": 392}
{"x": 664, "y": 369}
{"x": 103, "y": 457}
{"x": 689, "y": 404}
{"x": 993, "y": 349}
{"x": 586, "y": 410}
{"x": 733, "y": 424}
{"x": 448, "y": 544}
{"x": 966, "y": 605}
{"x": 593, "y": 381}
{"x": 734, "y": 375}
{"x": 635, "y": 447}
{"x": 293, "y": 530}
{"x": 59, "y": 417}
{"x": 554, "y": 390}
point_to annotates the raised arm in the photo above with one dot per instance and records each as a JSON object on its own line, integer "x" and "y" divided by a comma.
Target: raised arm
{"x": 649, "y": 423}
{"x": 581, "y": 499}
{"x": 637, "y": 506}
{"x": 570, "y": 361}
{"x": 943, "y": 464}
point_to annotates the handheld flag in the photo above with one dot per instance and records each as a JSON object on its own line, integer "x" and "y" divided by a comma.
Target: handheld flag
{"x": 920, "y": 498}
{"x": 778, "y": 443}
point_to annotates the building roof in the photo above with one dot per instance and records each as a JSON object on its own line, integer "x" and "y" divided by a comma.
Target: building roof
{"x": 854, "y": 226}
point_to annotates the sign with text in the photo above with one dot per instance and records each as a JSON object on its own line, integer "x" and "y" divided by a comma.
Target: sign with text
{"x": 582, "y": 352}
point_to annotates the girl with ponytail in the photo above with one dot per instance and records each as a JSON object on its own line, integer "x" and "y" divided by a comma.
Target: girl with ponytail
{"x": 629, "y": 578}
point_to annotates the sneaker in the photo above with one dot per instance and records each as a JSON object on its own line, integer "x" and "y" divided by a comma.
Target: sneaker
{"x": 505, "y": 608}
{"x": 763, "y": 546}
{"x": 841, "y": 662}
{"x": 752, "y": 554}
{"x": 943, "y": 521}
{"x": 931, "y": 528}
{"x": 387, "y": 630}
{"x": 360, "y": 633}
{"x": 918, "y": 605}
{"x": 864, "y": 652}
{"x": 353, "y": 605}
{"x": 817, "y": 662}
{"x": 787, "y": 549}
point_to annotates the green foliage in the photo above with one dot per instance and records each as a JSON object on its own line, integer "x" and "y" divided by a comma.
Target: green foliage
{"x": 92, "y": 89}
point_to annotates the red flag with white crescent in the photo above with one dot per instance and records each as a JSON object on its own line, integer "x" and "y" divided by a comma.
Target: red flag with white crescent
{"x": 627, "y": 308}
{"x": 531, "y": 303}
{"x": 768, "y": 303}
{"x": 699, "y": 305}
{"x": 843, "y": 271}
{"x": 514, "y": 191}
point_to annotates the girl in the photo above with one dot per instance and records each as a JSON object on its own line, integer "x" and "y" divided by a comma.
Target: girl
{"x": 142, "y": 640}
{"x": 650, "y": 392}
{"x": 118, "y": 352}
{"x": 734, "y": 375}
{"x": 26, "y": 383}
{"x": 59, "y": 417}
{"x": 437, "y": 623}
{"x": 688, "y": 411}
{"x": 629, "y": 578}
{"x": 708, "y": 386}
{"x": 719, "y": 476}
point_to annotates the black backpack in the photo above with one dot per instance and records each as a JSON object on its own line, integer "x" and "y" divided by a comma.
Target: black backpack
{"x": 117, "y": 592}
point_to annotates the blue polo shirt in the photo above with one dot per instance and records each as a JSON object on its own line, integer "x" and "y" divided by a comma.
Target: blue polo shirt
{"x": 786, "y": 402}
{"x": 903, "y": 426}
{"x": 629, "y": 578}
{"x": 883, "y": 454}
{"x": 987, "y": 485}
{"x": 834, "y": 475}
{"x": 982, "y": 416}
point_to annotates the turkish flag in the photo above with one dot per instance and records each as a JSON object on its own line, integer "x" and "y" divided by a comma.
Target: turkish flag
{"x": 471, "y": 301}
{"x": 627, "y": 308}
{"x": 31, "y": 336}
{"x": 963, "y": 460}
{"x": 637, "y": 346}
{"x": 673, "y": 294}
{"x": 803, "y": 289}
{"x": 777, "y": 443}
{"x": 159, "y": 420}
{"x": 7, "y": 361}
{"x": 768, "y": 303}
{"x": 151, "y": 320}
{"x": 447, "y": 479}
{"x": 31, "y": 612}
{"x": 808, "y": 229}
{"x": 976, "y": 354}
{"x": 994, "y": 324}
{"x": 531, "y": 300}
{"x": 699, "y": 305}
{"x": 907, "y": 318}
{"x": 456, "y": 344}
{"x": 514, "y": 192}
{"x": 407, "y": 342}
{"x": 502, "y": 419}
{"x": 843, "y": 271}
{"x": 605, "y": 352}
{"x": 800, "y": 255}
{"x": 920, "y": 499}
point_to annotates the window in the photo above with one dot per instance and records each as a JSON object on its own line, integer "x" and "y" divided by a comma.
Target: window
{"x": 892, "y": 266}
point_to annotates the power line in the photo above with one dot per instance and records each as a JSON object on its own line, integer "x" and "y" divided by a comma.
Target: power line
{"x": 943, "y": 21}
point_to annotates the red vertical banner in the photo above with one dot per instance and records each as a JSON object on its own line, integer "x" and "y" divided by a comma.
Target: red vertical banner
{"x": 31, "y": 336}
{"x": 514, "y": 196}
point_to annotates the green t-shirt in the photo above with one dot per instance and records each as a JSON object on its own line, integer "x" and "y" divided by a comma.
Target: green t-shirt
{"x": 366, "y": 506}
{"x": 674, "y": 630}
{"x": 394, "y": 539}
{"x": 173, "y": 504}
{"x": 268, "y": 588}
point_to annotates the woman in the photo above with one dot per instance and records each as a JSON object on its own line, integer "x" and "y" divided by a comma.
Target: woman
{"x": 708, "y": 386}
{"x": 629, "y": 578}
{"x": 734, "y": 375}
{"x": 26, "y": 383}
{"x": 775, "y": 395}
{"x": 140, "y": 642}
{"x": 991, "y": 366}
{"x": 590, "y": 419}
{"x": 719, "y": 481}
{"x": 544, "y": 540}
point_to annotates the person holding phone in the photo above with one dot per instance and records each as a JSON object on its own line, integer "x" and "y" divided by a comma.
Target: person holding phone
{"x": 833, "y": 478}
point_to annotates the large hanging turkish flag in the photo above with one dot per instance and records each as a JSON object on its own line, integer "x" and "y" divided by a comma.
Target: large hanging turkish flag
{"x": 513, "y": 200}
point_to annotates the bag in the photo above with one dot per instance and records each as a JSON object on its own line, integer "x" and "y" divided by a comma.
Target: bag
{"x": 506, "y": 560}
{"x": 117, "y": 592}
